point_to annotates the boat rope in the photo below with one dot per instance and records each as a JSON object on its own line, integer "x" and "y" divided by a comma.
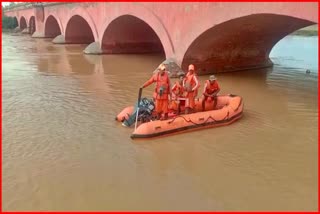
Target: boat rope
{"x": 240, "y": 103}
{"x": 190, "y": 121}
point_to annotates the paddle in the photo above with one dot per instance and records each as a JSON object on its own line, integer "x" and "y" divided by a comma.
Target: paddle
{"x": 139, "y": 98}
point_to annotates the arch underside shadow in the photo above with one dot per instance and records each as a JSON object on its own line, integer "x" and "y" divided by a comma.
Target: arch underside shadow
{"x": 241, "y": 43}
{"x": 32, "y": 25}
{"x": 15, "y": 20}
{"x": 23, "y": 23}
{"x": 52, "y": 28}
{"x": 128, "y": 34}
{"x": 78, "y": 31}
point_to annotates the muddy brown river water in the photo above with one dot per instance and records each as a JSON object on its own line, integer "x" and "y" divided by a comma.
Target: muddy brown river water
{"x": 62, "y": 149}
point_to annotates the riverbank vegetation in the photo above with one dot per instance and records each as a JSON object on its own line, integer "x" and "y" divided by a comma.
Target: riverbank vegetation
{"x": 307, "y": 31}
{"x": 8, "y": 22}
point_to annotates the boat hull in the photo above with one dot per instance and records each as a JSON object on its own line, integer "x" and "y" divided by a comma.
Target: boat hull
{"x": 188, "y": 128}
{"x": 229, "y": 109}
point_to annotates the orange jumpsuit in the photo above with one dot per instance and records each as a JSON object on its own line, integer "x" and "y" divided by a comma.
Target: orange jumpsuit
{"x": 178, "y": 96}
{"x": 177, "y": 91}
{"x": 162, "y": 81}
{"x": 192, "y": 84}
{"x": 210, "y": 89}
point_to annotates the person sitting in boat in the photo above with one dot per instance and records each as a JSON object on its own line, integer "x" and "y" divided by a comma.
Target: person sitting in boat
{"x": 178, "y": 91}
{"x": 191, "y": 85}
{"x": 162, "y": 90}
{"x": 210, "y": 91}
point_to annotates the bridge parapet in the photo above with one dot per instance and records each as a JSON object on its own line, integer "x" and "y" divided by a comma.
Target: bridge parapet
{"x": 23, "y": 6}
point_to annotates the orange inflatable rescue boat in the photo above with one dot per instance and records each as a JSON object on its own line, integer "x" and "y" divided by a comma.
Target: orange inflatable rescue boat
{"x": 229, "y": 109}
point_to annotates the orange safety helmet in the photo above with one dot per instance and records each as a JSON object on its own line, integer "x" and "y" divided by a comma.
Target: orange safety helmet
{"x": 162, "y": 67}
{"x": 191, "y": 67}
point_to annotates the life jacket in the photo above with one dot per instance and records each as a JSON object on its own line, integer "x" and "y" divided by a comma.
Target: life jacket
{"x": 178, "y": 90}
{"x": 190, "y": 83}
{"x": 211, "y": 88}
{"x": 162, "y": 84}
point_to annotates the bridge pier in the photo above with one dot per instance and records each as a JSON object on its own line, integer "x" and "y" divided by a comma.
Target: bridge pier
{"x": 172, "y": 67}
{"x": 38, "y": 34}
{"x": 59, "y": 40}
{"x": 25, "y": 30}
{"x": 93, "y": 48}
{"x": 17, "y": 29}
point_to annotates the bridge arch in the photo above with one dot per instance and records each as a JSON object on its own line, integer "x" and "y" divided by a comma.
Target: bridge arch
{"x": 141, "y": 16}
{"x": 52, "y": 26}
{"x": 87, "y": 33}
{"x": 22, "y": 23}
{"x": 15, "y": 19}
{"x": 32, "y": 25}
{"x": 129, "y": 34}
{"x": 240, "y": 43}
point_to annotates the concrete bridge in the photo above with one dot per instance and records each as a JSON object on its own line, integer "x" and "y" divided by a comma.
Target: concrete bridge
{"x": 216, "y": 37}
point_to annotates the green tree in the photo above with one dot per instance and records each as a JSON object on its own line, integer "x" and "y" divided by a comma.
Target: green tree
{"x": 9, "y": 22}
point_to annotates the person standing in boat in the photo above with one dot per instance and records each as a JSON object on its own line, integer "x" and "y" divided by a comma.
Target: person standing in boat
{"x": 210, "y": 90}
{"x": 178, "y": 91}
{"x": 162, "y": 90}
{"x": 191, "y": 85}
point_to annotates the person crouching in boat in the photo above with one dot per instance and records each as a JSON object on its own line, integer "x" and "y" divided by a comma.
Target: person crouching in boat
{"x": 178, "y": 91}
{"x": 162, "y": 90}
{"x": 211, "y": 89}
{"x": 191, "y": 85}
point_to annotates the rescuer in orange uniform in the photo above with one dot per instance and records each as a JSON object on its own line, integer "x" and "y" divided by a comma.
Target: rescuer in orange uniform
{"x": 210, "y": 90}
{"x": 191, "y": 85}
{"x": 162, "y": 90}
{"x": 178, "y": 91}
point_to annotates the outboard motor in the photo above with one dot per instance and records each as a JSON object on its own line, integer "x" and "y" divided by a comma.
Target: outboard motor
{"x": 146, "y": 108}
